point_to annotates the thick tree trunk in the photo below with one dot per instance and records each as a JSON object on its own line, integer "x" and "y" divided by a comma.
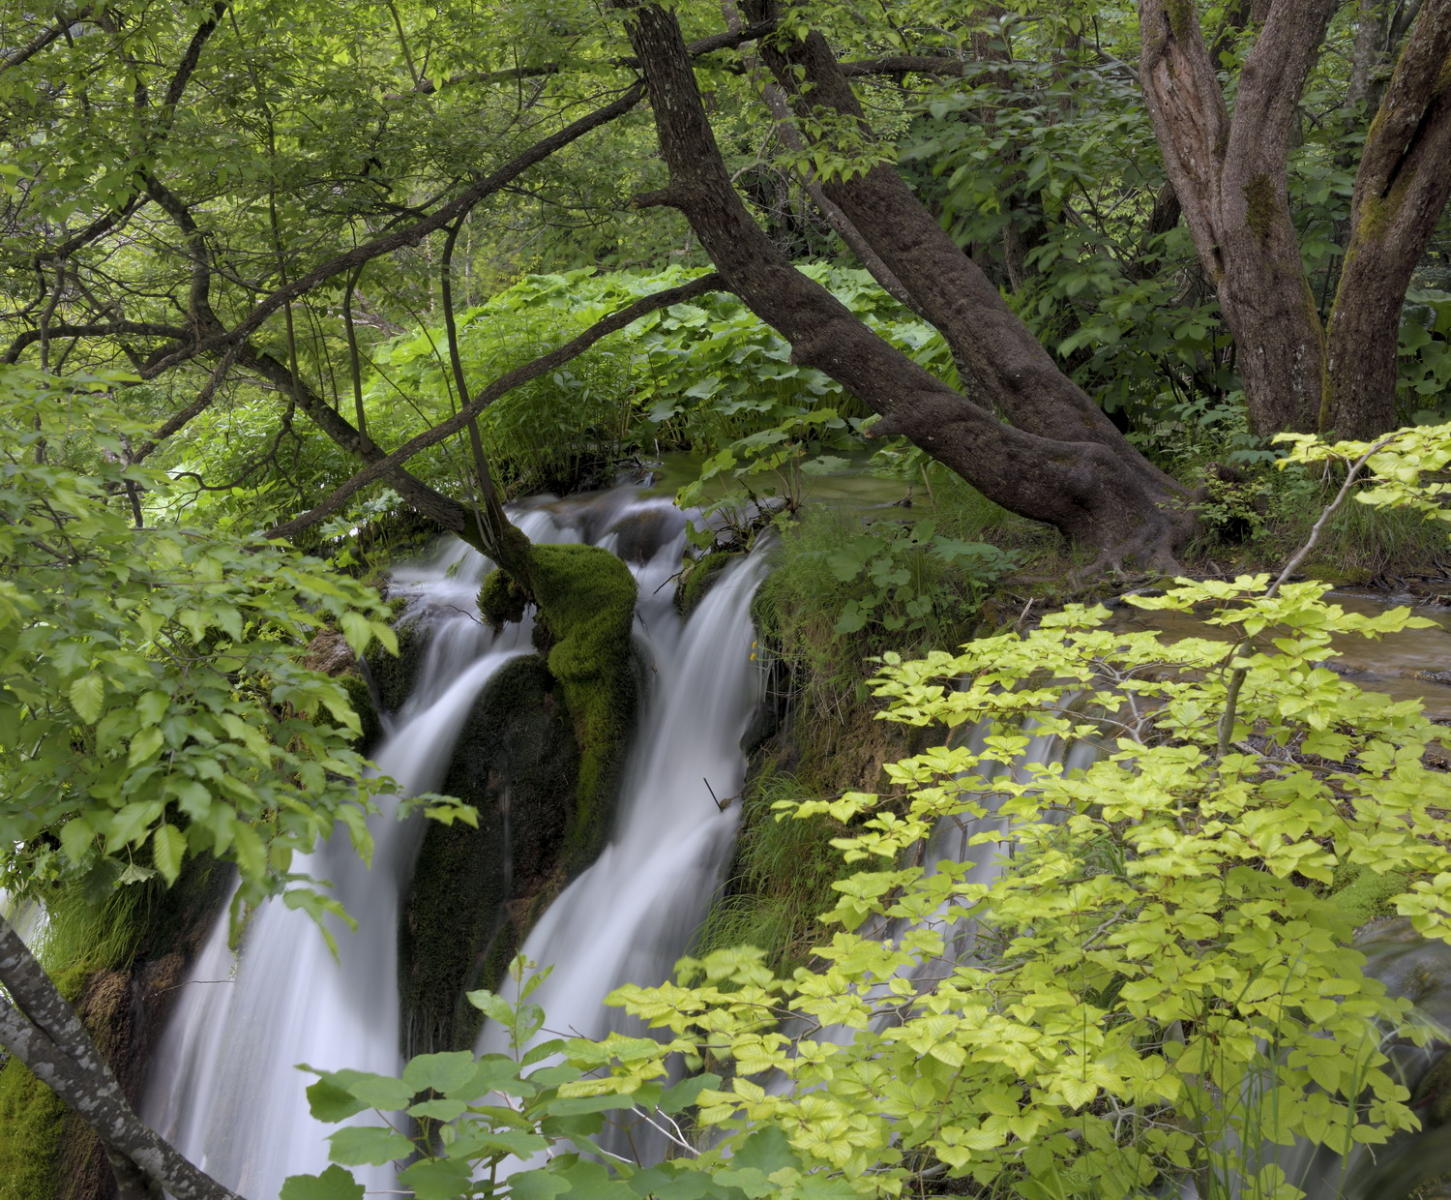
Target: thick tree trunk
{"x": 1402, "y": 187}
{"x": 1230, "y": 178}
{"x": 1068, "y": 475}
{"x": 44, "y": 1033}
{"x": 1010, "y": 370}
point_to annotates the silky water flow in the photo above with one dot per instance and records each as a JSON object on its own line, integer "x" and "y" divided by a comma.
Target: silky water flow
{"x": 224, "y": 1085}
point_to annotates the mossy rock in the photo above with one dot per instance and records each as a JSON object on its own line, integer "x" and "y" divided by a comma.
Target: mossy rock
{"x": 475, "y": 891}
{"x": 697, "y": 578}
{"x": 586, "y": 600}
{"x": 391, "y": 677}
{"x": 360, "y": 696}
{"x": 1364, "y": 895}
{"x": 501, "y": 601}
{"x": 586, "y": 609}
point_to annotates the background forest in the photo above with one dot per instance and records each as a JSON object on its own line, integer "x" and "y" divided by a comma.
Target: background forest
{"x": 971, "y": 317}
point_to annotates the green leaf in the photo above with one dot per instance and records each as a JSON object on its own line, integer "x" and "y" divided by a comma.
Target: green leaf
{"x": 437, "y": 1179}
{"x": 358, "y": 631}
{"x": 537, "y": 1185}
{"x": 76, "y": 838}
{"x": 685, "y": 1093}
{"x": 443, "y": 1072}
{"x": 87, "y": 695}
{"x": 766, "y": 1150}
{"x": 360, "y": 1145}
{"x": 168, "y": 848}
{"x": 439, "y": 1110}
{"x": 251, "y": 855}
{"x": 332, "y": 1184}
{"x": 143, "y": 746}
{"x": 330, "y": 1100}
{"x": 382, "y": 1092}
{"x": 152, "y": 707}
{"x": 574, "y": 1105}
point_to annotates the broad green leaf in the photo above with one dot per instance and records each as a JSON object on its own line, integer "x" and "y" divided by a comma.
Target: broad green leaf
{"x": 144, "y": 745}
{"x": 442, "y": 1072}
{"x": 76, "y": 838}
{"x": 87, "y": 695}
{"x": 437, "y": 1179}
{"x": 168, "y": 848}
{"x": 331, "y": 1101}
{"x": 359, "y": 1145}
{"x": 332, "y": 1184}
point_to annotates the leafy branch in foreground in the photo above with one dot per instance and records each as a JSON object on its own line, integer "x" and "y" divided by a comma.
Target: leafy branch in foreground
{"x": 1145, "y": 974}
{"x": 152, "y": 710}
{"x": 1160, "y": 982}
{"x": 506, "y": 1125}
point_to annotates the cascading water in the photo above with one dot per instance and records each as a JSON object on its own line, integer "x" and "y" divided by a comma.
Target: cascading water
{"x": 224, "y": 1088}
{"x": 224, "y": 1085}
{"x": 631, "y": 914}
{"x": 954, "y": 840}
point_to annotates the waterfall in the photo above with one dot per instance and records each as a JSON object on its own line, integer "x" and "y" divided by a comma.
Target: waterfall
{"x": 224, "y": 1088}
{"x": 952, "y": 840}
{"x": 630, "y": 915}
{"x": 634, "y": 911}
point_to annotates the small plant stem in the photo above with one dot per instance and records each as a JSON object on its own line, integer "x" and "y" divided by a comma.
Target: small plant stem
{"x": 1236, "y": 680}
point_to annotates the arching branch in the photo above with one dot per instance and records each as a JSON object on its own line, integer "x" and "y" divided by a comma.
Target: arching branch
{"x": 385, "y": 465}
{"x": 409, "y": 235}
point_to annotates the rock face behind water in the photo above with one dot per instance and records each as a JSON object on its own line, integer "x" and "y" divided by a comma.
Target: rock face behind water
{"x": 476, "y": 891}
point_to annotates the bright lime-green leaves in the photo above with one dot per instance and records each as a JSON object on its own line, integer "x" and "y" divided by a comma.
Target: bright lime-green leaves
{"x": 1160, "y": 973}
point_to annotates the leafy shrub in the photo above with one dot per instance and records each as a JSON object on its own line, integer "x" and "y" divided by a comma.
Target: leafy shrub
{"x": 843, "y": 587}
{"x": 1162, "y": 983}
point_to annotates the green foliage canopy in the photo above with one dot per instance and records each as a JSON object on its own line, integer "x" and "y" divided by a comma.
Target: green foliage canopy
{"x": 152, "y": 701}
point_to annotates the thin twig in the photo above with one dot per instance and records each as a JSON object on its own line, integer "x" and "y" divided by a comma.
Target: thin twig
{"x": 1236, "y": 680}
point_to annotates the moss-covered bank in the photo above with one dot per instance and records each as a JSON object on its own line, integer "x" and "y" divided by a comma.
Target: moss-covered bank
{"x": 120, "y": 963}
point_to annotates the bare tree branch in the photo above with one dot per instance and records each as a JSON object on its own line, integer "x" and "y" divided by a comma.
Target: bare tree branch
{"x": 410, "y": 235}
{"x": 707, "y": 45}
{"x": 503, "y": 384}
{"x": 44, "y": 38}
{"x": 29, "y": 337}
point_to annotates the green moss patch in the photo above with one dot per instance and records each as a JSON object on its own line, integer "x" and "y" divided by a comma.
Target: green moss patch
{"x": 696, "y": 579}
{"x": 586, "y": 602}
{"x": 392, "y": 676}
{"x": 118, "y": 962}
{"x": 1363, "y": 894}
{"x": 32, "y": 1132}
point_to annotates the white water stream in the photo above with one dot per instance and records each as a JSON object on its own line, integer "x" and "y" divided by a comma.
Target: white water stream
{"x": 634, "y": 911}
{"x": 224, "y": 1085}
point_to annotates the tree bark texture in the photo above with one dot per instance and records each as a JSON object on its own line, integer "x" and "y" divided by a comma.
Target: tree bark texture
{"x": 1061, "y": 463}
{"x": 1403, "y": 185}
{"x": 44, "y": 1033}
{"x": 1229, "y": 174}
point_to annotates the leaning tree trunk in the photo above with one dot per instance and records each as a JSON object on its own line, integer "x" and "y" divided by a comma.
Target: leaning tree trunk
{"x": 1230, "y": 177}
{"x": 1064, "y": 469}
{"x": 1402, "y": 187}
{"x": 44, "y": 1033}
